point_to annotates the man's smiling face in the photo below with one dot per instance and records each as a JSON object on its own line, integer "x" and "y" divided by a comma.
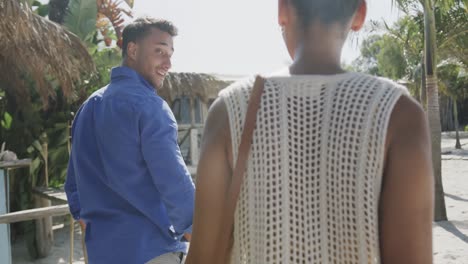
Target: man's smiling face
{"x": 153, "y": 56}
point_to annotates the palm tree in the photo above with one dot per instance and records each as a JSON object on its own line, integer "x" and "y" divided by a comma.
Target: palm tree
{"x": 432, "y": 90}
{"x": 433, "y": 111}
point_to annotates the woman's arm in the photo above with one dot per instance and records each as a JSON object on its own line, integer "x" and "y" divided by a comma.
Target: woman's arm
{"x": 212, "y": 182}
{"x": 406, "y": 203}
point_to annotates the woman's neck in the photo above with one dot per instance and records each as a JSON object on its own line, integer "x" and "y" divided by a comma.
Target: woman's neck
{"x": 319, "y": 51}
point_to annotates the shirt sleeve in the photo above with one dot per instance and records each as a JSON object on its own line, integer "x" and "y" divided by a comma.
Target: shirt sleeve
{"x": 164, "y": 160}
{"x": 71, "y": 190}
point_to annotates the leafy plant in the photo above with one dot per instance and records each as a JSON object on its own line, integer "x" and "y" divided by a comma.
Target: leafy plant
{"x": 28, "y": 129}
{"x": 81, "y": 18}
{"x": 6, "y": 121}
{"x": 41, "y": 9}
{"x": 110, "y": 20}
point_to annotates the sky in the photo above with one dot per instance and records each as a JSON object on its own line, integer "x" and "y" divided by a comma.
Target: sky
{"x": 237, "y": 37}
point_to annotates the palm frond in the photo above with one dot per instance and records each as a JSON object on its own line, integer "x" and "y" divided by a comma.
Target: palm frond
{"x": 81, "y": 17}
{"x": 407, "y": 5}
{"x": 130, "y": 3}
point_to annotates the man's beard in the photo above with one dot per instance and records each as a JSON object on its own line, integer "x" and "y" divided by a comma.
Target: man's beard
{"x": 157, "y": 85}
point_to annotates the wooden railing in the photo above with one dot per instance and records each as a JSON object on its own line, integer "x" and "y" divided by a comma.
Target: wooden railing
{"x": 33, "y": 214}
{"x": 191, "y": 134}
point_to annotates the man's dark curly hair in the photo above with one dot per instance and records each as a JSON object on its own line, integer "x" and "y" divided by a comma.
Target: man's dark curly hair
{"x": 139, "y": 29}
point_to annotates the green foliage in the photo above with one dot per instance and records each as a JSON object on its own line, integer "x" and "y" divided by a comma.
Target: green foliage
{"x": 452, "y": 33}
{"x": 446, "y": 5}
{"x": 58, "y": 153}
{"x": 105, "y": 60}
{"x": 383, "y": 56}
{"x": 391, "y": 60}
{"x": 42, "y": 9}
{"x": 29, "y": 128}
{"x": 408, "y": 32}
{"x": 81, "y": 18}
{"x": 398, "y": 52}
{"x": 56, "y": 137}
{"x": 411, "y": 5}
{"x": 466, "y": 128}
{"x": 367, "y": 63}
{"x": 452, "y": 81}
{"x": 6, "y": 121}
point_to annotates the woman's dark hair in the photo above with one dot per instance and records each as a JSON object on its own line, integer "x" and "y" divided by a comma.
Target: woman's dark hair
{"x": 141, "y": 27}
{"x": 325, "y": 11}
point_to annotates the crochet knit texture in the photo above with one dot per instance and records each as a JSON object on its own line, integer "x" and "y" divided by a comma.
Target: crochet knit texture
{"x": 313, "y": 179}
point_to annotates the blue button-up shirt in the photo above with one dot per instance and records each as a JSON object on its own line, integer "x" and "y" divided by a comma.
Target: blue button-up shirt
{"x": 126, "y": 176}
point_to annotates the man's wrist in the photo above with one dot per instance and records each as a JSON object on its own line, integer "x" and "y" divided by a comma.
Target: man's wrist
{"x": 187, "y": 237}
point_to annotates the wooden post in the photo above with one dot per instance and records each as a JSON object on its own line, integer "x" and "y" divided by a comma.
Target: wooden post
{"x": 204, "y": 111}
{"x": 72, "y": 240}
{"x": 5, "y": 247}
{"x": 5, "y": 166}
{"x": 45, "y": 149}
{"x": 194, "y": 149}
{"x": 192, "y": 111}
{"x": 44, "y": 232}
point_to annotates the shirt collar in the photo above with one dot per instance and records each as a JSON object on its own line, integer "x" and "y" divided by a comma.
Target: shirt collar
{"x": 127, "y": 72}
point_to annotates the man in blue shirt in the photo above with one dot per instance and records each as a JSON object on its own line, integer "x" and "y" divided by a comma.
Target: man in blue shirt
{"x": 127, "y": 182}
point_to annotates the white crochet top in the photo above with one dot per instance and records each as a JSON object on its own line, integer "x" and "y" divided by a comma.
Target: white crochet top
{"x": 311, "y": 192}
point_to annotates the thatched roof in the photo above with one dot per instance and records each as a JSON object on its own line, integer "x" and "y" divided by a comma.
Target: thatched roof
{"x": 193, "y": 85}
{"x": 35, "y": 47}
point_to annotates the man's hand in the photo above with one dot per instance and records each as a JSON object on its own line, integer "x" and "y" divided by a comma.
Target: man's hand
{"x": 82, "y": 225}
{"x": 188, "y": 236}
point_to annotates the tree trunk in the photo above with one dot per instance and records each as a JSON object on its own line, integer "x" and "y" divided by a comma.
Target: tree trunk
{"x": 449, "y": 116}
{"x": 455, "y": 114}
{"x": 440, "y": 213}
{"x": 423, "y": 86}
{"x": 446, "y": 113}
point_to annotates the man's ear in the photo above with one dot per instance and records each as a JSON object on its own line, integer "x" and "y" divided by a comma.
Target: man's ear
{"x": 360, "y": 17}
{"x": 283, "y": 12}
{"x": 132, "y": 48}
